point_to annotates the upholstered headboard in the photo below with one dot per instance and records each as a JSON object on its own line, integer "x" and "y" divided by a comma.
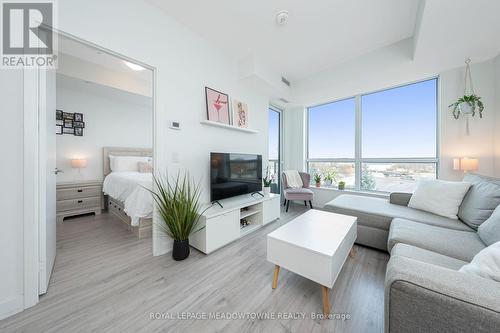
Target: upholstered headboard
{"x": 122, "y": 151}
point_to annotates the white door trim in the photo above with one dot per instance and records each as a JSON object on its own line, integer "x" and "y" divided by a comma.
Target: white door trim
{"x": 30, "y": 187}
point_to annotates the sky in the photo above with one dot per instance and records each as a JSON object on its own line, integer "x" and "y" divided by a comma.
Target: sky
{"x": 274, "y": 125}
{"x": 396, "y": 123}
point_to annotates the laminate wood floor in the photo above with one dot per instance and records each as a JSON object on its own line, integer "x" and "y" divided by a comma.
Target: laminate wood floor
{"x": 106, "y": 280}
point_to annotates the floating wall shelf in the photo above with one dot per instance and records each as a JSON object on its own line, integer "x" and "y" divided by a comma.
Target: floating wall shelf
{"x": 231, "y": 127}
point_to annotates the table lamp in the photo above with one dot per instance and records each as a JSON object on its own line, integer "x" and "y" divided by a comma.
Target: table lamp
{"x": 79, "y": 163}
{"x": 465, "y": 164}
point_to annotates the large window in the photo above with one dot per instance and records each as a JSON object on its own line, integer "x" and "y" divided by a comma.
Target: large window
{"x": 384, "y": 141}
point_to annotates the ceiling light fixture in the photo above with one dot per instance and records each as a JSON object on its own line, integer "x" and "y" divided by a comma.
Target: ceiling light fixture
{"x": 134, "y": 67}
{"x": 282, "y": 17}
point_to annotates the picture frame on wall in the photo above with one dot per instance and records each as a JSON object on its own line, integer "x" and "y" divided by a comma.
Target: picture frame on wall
{"x": 59, "y": 129}
{"x": 59, "y": 115}
{"x": 67, "y": 130}
{"x": 78, "y": 117}
{"x": 217, "y": 106}
{"x": 67, "y": 115}
{"x": 240, "y": 114}
{"x": 68, "y": 123}
{"x": 78, "y": 131}
{"x": 78, "y": 124}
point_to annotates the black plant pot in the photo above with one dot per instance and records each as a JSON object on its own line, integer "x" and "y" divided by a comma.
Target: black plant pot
{"x": 181, "y": 249}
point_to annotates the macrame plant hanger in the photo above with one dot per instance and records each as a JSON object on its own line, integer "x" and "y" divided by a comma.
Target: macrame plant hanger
{"x": 468, "y": 76}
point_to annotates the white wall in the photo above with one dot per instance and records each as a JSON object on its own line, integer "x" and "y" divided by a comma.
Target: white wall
{"x": 185, "y": 64}
{"x": 497, "y": 122}
{"x": 454, "y": 141}
{"x": 113, "y": 118}
{"x": 11, "y": 193}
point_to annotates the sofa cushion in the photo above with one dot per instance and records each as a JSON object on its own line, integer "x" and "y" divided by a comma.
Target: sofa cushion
{"x": 298, "y": 194}
{"x": 427, "y": 256}
{"x": 439, "y": 197}
{"x": 378, "y": 213}
{"x": 489, "y": 231}
{"x": 483, "y": 197}
{"x": 459, "y": 244}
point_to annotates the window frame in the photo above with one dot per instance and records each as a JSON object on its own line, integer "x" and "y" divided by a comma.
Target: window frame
{"x": 358, "y": 159}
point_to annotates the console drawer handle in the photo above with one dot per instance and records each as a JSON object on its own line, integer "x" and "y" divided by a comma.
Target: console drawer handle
{"x": 79, "y": 190}
{"x": 80, "y": 201}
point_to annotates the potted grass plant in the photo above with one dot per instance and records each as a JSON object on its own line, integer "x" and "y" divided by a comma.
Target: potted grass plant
{"x": 177, "y": 200}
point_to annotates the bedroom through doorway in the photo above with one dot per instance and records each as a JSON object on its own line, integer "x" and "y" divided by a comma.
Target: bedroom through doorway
{"x": 103, "y": 140}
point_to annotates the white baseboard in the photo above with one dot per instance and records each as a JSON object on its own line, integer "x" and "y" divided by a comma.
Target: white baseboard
{"x": 11, "y": 306}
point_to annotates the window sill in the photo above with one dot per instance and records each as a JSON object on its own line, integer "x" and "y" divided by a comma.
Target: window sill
{"x": 352, "y": 191}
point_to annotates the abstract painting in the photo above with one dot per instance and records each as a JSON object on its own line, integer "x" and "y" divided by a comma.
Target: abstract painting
{"x": 240, "y": 114}
{"x": 217, "y": 106}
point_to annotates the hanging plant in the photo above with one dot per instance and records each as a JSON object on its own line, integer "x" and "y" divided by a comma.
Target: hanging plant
{"x": 467, "y": 104}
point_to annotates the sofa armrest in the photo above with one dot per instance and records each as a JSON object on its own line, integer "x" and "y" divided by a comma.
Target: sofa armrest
{"x": 400, "y": 198}
{"x": 420, "y": 297}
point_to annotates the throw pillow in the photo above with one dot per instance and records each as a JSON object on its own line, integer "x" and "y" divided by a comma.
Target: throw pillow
{"x": 489, "y": 231}
{"x": 486, "y": 263}
{"x": 483, "y": 197}
{"x": 145, "y": 167}
{"x": 126, "y": 163}
{"x": 439, "y": 197}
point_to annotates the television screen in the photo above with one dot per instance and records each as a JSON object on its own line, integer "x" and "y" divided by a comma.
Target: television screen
{"x": 234, "y": 174}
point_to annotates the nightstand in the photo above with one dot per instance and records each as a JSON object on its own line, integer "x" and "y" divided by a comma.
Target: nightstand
{"x": 77, "y": 198}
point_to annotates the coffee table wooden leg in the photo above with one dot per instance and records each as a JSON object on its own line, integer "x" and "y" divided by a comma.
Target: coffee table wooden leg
{"x": 276, "y": 274}
{"x": 326, "y": 301}
{"x": 352, "y": 253}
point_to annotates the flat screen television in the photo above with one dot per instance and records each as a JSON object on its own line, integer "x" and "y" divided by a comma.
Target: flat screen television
{"x": 234, "y": 174}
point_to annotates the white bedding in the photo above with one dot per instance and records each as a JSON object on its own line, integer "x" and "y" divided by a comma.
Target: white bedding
{"x": 129, "y": 187}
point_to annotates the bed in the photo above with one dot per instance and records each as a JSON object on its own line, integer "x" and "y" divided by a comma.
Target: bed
{"x": 126, "y": 193}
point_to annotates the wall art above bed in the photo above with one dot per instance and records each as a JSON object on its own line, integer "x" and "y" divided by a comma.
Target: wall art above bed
{"x": 69, "y": 123}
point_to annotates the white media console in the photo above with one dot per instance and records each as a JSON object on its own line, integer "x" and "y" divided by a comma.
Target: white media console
{"x": 220, "y": 226}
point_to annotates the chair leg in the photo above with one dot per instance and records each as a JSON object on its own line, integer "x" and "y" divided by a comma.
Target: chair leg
{"x": 287, "y": 205}
{"x": 310, "y": 204}
{"x": 284, "y": 203}
{"x": 305, "y": 203}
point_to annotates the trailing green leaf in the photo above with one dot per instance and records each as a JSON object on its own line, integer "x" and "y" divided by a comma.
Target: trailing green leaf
{"x": 474, "y": 102}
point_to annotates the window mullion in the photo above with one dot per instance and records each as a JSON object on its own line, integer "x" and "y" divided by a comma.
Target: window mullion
{"x": 357, "y": 148}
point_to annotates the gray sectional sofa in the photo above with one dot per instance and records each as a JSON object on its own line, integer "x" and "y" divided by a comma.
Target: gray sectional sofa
{"x": 424, "y": 291}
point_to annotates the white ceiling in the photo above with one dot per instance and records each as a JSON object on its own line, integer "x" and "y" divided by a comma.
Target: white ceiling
{"x": 320, "y": 34}
{"x": 103, "y": 59}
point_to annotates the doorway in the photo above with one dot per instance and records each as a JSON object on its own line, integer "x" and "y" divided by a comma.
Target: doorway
{"x": 92, "y": 103}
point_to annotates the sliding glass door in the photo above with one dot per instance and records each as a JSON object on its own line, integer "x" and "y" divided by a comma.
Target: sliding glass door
{"x": 275, "y": 126}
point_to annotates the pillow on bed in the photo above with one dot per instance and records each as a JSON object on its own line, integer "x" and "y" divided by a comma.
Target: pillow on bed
{"x": 126, "y": 163}
{"x": 145, "y": 167}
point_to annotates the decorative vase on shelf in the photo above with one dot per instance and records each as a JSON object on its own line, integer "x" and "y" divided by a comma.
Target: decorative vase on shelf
{"x": 318, "y": 184}
{"x": 267, "y": 189}
{"x": 341, "y": 186}
{"x": 328, "y": 182}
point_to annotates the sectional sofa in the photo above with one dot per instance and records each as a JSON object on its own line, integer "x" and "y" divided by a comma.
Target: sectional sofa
{"x": 424, "y": 290}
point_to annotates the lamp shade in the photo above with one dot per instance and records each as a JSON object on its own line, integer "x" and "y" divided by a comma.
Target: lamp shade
{"x": 465, "y": 164}
{"x": 78, "y": 163}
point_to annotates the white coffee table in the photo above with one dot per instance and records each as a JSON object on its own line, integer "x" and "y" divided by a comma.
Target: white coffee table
{"x": 314, "y": 245}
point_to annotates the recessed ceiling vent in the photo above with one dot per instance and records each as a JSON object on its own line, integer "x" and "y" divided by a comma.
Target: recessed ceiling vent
{"x": 284, "y": 100}
{"x": 285, "y": 81}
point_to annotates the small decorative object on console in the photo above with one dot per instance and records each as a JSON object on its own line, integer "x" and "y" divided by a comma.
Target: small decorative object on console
{"x": 342, "y": 185}
{"x": 268, "y": 180}
{"x": 317, "y": 179}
